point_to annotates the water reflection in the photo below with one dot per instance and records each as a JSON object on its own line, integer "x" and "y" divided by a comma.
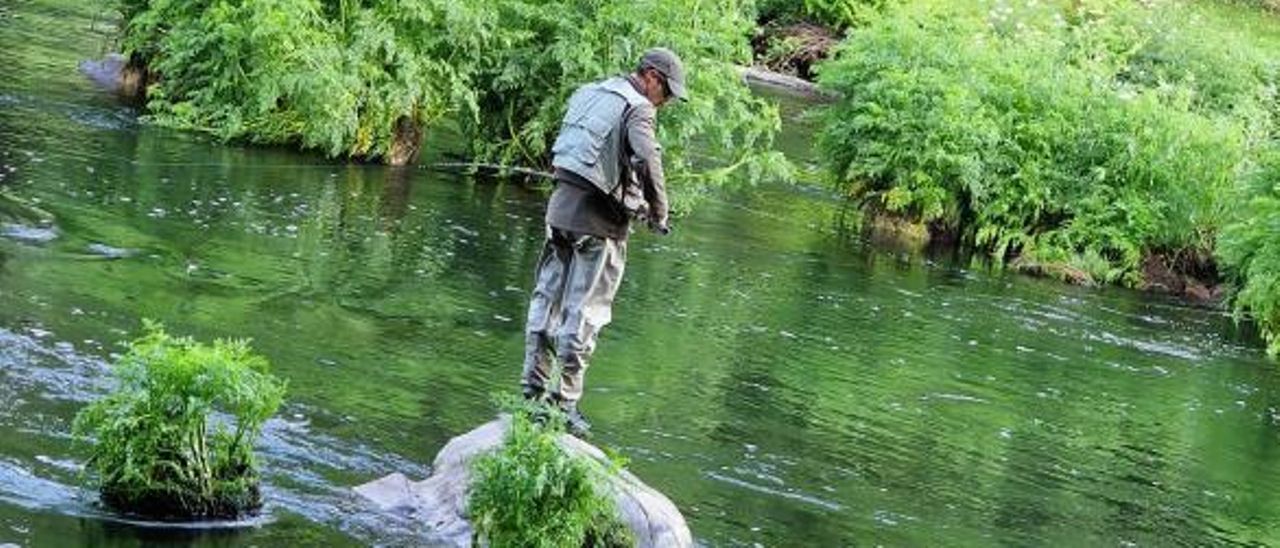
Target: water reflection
{"x": 784, "y": 384}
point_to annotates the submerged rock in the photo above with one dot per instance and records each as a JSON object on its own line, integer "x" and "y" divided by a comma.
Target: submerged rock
{"x": 107, "y": 252}
{"x": 29, "y": 234}
{"x": 440, "y": 501}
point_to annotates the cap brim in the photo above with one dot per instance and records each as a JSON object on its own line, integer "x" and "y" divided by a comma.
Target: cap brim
{"x": 677, "y": 89}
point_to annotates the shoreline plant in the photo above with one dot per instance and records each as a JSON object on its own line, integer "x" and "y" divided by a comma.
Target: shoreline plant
{"x": 368, "y": 79}
{"x": 531, "y": 493}
{"x": 158, "y": 449}
{"x": 1050, "y": 135}
{"x": 836, "y": 14}
{"x": 1249, "y": 249}
{"x": 1103, "y": 141}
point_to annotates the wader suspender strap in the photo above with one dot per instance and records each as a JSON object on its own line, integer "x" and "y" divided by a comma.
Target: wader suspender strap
{"x": 625, "y": 178}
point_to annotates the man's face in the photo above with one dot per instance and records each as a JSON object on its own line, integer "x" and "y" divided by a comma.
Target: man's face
{"x": 655, "y": 88}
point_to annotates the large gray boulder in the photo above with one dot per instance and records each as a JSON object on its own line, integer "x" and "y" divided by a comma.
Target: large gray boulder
{"x": 440, "y": 501}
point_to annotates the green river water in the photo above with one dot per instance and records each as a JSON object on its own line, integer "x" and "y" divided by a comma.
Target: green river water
{"x": 784, "y": 383}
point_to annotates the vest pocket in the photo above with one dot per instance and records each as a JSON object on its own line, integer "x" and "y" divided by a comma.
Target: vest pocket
{"x": 595, "y": 129}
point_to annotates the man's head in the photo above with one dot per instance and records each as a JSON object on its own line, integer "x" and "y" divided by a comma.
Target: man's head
{"x": 661, "y": 74}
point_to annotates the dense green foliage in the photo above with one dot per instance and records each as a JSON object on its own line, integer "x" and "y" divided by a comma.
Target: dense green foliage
{"x": 1268, "y": 5}
{"x": 337, "y": 76}
{"x": 1086, "y": 134}
{"x": 159, "y": 451}
{"x": 550, "y": 47}
{"x": 1250, "y": 248}
{"x": 531, "y": 493}
{"x": 359, "y": 77}
{"x": 834, "y": 13}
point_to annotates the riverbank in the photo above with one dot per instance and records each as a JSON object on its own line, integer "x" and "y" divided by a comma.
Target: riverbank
{"x": 1098, "y": 143}
{"x": 371, "y": 81}
{"x": 783, "y": 382}
{"x": 1093, "y": 142}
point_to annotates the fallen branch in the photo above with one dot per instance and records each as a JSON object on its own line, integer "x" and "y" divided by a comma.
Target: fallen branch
{"x": 498, "y": 169}
{"x": 758, "y": 77}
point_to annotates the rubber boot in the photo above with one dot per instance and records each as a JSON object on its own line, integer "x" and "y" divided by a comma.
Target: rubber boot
{"x": 575, "y": 423}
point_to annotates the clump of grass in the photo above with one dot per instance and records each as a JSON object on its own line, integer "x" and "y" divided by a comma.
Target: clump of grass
{"x": 531, "y": 493}
{"x": 159, "y": 452}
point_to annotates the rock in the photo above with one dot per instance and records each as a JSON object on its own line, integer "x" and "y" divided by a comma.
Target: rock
{"x": 107, "y": 252}
{"x": 895, "y": 232}
{"x": 29, "y": 234}
{"x": 1199, "y": 293}
{"x": 119, "y": 74}
{"x": 105, "y": 72}
{"x": 1189, "y": 276}
{"x": 392, "y": 493}
{"x": 1158, "y": 274}
{"x": 440, "y": 501}
{"x": 1059, "y": 270}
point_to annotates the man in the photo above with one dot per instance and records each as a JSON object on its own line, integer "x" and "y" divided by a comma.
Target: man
{"x": 608, "y": 170}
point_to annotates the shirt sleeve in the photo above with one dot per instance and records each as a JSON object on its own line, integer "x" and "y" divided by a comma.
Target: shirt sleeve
{"x": 641, "y": 126}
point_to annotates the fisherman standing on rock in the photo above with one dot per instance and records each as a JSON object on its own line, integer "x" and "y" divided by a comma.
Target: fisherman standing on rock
{"x": 608, "y": 171}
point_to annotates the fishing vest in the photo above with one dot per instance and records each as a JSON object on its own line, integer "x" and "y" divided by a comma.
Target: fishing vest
{"x": 592, "y": 136}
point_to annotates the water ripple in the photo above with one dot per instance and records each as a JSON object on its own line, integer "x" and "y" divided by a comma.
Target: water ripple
{"x": 783, "y": 493}
{"x": 295, "y": 460}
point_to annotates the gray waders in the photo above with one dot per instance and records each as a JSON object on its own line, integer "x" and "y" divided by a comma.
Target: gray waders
{"x": 576, "y": 280}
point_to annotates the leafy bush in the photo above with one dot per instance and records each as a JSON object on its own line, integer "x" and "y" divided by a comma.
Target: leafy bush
{"x": 530, "y": 493}
{"x": 1054, "y": 132}
{"x": 838, "y": 14}
{"x": 361, "y": 77}
{"x": 341, "y": 77}
{"x": 159, "y": 451}
{"x": 1249, "y": 248}
{"x": 1272, "y": 6}
{"x": 545, "y": 49}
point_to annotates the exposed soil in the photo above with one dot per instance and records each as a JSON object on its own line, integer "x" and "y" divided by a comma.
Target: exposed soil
{"x": 134, "y": 79}
{"x": 183, "y": 506}
{"x": 1191, "y": 276}
{"x": 1061, "y": 271}
{"x": 407, "y": 143}
{"x": 793, "y": 48}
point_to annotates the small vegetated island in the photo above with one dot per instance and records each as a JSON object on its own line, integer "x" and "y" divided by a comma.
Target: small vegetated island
{"x": 1130, "y": 142}
{"x": 174, "y": 440}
